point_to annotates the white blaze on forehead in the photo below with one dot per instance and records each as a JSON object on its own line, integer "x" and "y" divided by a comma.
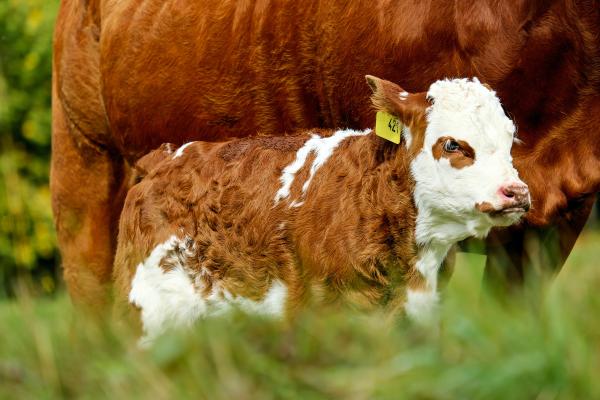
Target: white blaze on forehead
{"x": 180, "y": 150}
{"x": 467, "y": 110}
{"x": 323, "y": 148}
{"x": 173, "y": 298}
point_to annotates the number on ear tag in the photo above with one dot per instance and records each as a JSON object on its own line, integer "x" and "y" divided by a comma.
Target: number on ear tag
{"x": 388, "y": 127}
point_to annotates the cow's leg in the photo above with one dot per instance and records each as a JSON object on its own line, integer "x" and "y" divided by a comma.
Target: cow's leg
{"x": 87, "y": 194}
{"x": 534, "y": 254}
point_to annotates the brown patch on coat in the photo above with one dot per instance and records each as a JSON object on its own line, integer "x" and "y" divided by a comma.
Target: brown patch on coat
{"x": 463, "y": 157}
{"x": 417, "y": 131}
{"x": 485, "y": 207}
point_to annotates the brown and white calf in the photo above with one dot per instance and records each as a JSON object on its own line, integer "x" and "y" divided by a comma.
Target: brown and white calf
{"x": 267, "y": 223}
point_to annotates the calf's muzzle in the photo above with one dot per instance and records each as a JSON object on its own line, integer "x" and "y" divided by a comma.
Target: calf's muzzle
{"x": 515, "y": 197}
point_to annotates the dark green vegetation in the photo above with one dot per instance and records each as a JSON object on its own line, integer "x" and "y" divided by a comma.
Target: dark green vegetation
{"x": 27, "y": 242}
{"x": 520, "y": 349}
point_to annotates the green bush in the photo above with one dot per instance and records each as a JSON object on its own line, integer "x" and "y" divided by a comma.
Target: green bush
{"x": 27, "y": 241}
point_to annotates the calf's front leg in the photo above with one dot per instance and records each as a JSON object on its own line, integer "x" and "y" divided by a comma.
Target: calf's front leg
{"x": 422, "y": 295}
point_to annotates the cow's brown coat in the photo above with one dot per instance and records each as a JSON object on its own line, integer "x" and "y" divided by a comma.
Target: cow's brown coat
{"x": 132, "y": 74}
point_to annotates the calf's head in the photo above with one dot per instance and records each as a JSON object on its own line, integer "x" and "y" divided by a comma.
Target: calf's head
{"x": 459, "y": 141}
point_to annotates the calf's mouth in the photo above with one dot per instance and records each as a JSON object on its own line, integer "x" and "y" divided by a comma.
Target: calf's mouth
{"x": 487, "y": 208}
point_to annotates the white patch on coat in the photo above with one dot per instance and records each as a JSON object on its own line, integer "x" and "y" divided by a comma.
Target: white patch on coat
{"x": 407, "y": 135}
{"x": 164, "y": 297}
{"x": 421, "y": 305}
{"x": 179, "y": 151}
{"x": 429, "y": 260}
{"x": 403, "y": 95}
{"x": 272, "y": 305}
{"x": 289, "y": 172}
{"x": 323, "y": 149}
{"x": 173, "y": 299}
{"x": 221, "y": 301}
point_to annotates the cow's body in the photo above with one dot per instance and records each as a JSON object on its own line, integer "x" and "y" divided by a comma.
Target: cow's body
{"x": 270, "y": 223}
{"x": 132, "y": 74}
{"x": 220, "y": 214}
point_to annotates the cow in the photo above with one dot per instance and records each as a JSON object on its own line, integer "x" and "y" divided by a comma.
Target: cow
{"x": 265, "y": 223}
{"x": 129, "y": 75}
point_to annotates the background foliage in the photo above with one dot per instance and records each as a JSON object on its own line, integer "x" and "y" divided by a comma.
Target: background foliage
{"x": 27, "y": 241}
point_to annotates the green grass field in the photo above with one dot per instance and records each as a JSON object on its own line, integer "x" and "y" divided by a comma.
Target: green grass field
{"x": 520, "y": 349}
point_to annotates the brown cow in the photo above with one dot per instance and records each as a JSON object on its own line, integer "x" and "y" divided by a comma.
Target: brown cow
{"x": 132, "y": 74}
{"x": 267, "y": 223}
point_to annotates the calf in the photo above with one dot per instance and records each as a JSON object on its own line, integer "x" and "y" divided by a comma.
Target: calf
{"x": 266, "y": 223}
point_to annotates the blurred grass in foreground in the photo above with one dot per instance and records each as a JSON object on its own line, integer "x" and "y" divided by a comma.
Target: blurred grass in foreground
{"x": 513, "y": 350}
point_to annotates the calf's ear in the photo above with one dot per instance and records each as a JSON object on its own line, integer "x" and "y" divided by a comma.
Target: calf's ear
{"x": 388, "y": 97}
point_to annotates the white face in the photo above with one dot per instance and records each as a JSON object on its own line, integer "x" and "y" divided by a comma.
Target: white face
{"x": 464, "y": 169}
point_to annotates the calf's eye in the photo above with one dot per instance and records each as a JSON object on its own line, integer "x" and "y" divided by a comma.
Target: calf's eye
{"x": 451, "y": 146}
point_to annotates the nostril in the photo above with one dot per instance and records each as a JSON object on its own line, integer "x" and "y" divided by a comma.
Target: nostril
{"x": 514, "y": 191}
{"x": 508, "y": 192}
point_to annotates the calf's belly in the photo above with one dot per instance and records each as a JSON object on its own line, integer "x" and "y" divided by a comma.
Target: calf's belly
{"x": 178, "y": 297}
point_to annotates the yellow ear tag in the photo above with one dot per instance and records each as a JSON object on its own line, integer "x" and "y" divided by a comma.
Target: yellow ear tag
{"x": 388, "y": 127}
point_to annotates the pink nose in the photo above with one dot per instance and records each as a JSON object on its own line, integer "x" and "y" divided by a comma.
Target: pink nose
{"x": 516, "y": 195}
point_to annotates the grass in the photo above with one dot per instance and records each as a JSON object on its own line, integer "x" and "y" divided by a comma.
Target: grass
{"x": 484, "y": 349}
